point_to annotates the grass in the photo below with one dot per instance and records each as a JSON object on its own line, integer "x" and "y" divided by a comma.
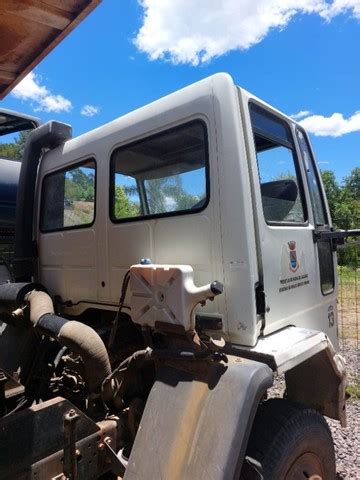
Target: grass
{"x": 353, "y": 390}
{"x": 349, "y": 305}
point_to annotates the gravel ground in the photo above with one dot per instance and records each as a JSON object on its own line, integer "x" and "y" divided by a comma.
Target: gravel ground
{"x": 347, "y": 440}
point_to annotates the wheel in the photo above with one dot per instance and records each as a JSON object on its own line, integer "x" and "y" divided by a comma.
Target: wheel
{"x": 289, "y": 442}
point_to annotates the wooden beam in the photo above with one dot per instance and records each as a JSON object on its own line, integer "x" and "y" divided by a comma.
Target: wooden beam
{"x": 79, "y": 12}
{"x": 7, "y": 77}
{"x": 38, "y": 12}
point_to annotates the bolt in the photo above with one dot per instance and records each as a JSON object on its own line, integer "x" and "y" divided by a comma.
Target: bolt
{"x": 108, "y": 440}
{"x": 101, "y": 446}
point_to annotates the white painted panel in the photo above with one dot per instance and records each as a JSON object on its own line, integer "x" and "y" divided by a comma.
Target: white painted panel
{"x": 183, "y": 240}
{"x": 128, "y": 244}
{"x": 80, "y": 284}
{"x": 79, "y": 248}
{"x": 68, "y": 264}
{"x": 51, "y": 249}
{"x": 53, "y": 279}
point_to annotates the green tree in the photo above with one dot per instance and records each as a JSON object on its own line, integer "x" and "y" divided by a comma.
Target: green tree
{"x": 124, "y": 207}
{"x": 352, "y": 184}
{"x": 84, "y": 179}
{"x": 73, "y": 191}
{"x": 340, "y": 204}
{"x": 332, "y": 190}
{"x": 344, "y": 204}
{"x": 15, "y": 150}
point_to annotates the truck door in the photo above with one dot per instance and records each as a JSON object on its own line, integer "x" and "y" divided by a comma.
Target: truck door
{"x": 297, "y": 272}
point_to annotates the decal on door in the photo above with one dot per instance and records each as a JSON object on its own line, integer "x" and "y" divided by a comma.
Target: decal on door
{"x": 292, "y": 261}
{"x": 294, "y": 264}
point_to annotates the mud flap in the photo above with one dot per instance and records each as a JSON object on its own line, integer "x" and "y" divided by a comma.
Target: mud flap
{"x": 196, "y": 426}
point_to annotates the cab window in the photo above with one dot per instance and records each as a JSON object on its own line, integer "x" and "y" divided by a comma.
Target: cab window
{"x": 161, "y": 175}
{"x": 68, "y": 198}
{"x": 321, "y": 221}
{"x": 280, "y": 180}
{"x": 316, "y": 196}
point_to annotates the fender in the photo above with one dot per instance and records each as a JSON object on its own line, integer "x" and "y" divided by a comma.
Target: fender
{"x": 197, "y": 424}
{"x": 315, "y": 374}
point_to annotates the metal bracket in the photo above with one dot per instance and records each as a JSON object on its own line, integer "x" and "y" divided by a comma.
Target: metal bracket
{"x": 70, "y": 454}
{"x": 336, "y": 237}
{"x": 113, "y": 460}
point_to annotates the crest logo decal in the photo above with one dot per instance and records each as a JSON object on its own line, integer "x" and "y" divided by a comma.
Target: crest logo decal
{"x": 294, "y": 264}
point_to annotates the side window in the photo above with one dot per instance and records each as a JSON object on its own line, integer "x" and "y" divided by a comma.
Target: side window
{"x": 325, "y": 253}
{"x": 313, "y": 180}
{"x": 281, "y": 188}
{"x": 68, "y": 198}
{"x": 161, "y": 175}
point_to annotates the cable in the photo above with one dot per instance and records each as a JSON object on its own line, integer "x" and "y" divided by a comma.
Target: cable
{"x": 114, "y": 328}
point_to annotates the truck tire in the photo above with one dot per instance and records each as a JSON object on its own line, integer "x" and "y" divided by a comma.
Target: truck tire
{"x": 289, "y": 442}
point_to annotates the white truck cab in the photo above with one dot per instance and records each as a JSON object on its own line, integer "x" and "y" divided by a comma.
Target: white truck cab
{"x": 167, "y": 265}
{"x": 211, "y": 177}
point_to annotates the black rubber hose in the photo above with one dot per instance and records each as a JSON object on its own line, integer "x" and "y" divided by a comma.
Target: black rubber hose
{"x": 12, "y": 295}
{"x": 76, "y": 336}
{"x": 84, "y": 341}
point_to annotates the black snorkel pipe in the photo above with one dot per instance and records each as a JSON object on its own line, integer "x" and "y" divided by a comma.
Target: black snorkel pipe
{"x": 47, "y": 136}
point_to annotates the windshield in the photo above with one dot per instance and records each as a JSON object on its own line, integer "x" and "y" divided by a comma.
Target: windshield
{"x": 14, "y": 130}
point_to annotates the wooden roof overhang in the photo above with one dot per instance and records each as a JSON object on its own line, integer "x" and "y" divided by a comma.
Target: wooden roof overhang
{"x": 30, "y": 29}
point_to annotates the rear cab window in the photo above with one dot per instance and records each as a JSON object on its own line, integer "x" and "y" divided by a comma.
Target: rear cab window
{"x": 68, "y": 198}
{"x": 161, "y": 175}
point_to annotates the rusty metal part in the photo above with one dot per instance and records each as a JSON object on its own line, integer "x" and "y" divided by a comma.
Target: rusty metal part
{"x": 70, "y": 461}
{"x": 30, "y": 29}
{"x": 320, "y": 383}
{"x": 32, "y": 441}
{"x": 10, "y": 389}
{"x": 307, "y": 466}
{"x": 112, "y": 458}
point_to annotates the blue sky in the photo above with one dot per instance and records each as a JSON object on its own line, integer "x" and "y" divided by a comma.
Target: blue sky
{"x": 300, "y": 56}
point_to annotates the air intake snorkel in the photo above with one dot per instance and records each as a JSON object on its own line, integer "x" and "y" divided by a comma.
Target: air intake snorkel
{"x": 47, "y": 136}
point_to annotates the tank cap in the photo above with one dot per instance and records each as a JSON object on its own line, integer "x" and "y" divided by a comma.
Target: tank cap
{"x": 146, "y": 261}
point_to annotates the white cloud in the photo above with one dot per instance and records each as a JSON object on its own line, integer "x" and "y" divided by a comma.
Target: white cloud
{"x": 195, "y": 31}
{"x": 338, "y": 7}
{"x": 54, "y": 103}
{"x": 301, "y": 114}
{"x": 30, "y": 89}
{"x": 89, "y": 110}
{"x": 334, "y": 126}
{"x": 170, "y": 204}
